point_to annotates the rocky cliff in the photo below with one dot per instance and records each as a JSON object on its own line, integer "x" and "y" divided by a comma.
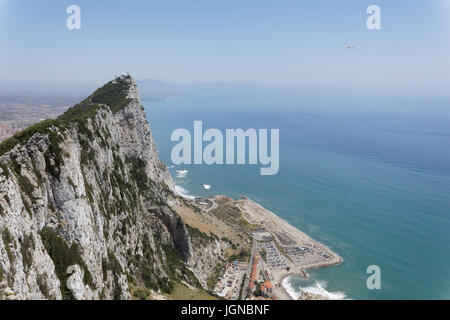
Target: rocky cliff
{"x": 86, "y": 207}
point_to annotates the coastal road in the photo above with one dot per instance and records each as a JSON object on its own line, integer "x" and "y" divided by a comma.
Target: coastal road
{"x": 249, "y": 271}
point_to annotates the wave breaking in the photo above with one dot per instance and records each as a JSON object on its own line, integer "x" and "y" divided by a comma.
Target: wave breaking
{"x": 318, "y": 288}
{"x": 183, "y": 192}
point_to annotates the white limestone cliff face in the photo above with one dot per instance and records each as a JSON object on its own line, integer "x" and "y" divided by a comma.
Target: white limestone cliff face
{"x": 93, "y": 196}
{"x": 200, "y": 259}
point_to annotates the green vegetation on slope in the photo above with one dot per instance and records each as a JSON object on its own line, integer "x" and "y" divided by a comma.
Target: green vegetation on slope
{"x": 229, "y": 213}
{"x": 64, "y": 256}
{"x": 182, "y": 292}
{"x": 7, "y": 240}
{"x": 23, "y": 136}
{"x": 112, "y": 94}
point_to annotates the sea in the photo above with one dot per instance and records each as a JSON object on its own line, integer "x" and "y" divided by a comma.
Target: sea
{"x": 371, "y": 184}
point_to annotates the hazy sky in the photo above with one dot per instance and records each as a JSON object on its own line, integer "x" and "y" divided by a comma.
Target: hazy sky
{"x": 259, "y": 42}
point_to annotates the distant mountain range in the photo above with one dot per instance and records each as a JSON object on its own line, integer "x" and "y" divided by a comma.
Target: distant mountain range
{"x": 313, "y": 97}
{"x": 151, "y": 89}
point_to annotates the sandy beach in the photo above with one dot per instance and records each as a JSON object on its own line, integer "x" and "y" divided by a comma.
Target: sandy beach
{"x": 288, "y": 237}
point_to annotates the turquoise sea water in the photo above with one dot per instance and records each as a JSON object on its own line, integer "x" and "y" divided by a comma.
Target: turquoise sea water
{"x": 373, "y": 187}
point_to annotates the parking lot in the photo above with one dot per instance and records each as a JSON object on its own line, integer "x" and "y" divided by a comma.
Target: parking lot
{"x": 275, "y": 259}
{"x": 303, "y": 255}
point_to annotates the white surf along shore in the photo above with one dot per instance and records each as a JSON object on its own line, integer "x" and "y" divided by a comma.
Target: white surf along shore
{"x": 318, "y": 290}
